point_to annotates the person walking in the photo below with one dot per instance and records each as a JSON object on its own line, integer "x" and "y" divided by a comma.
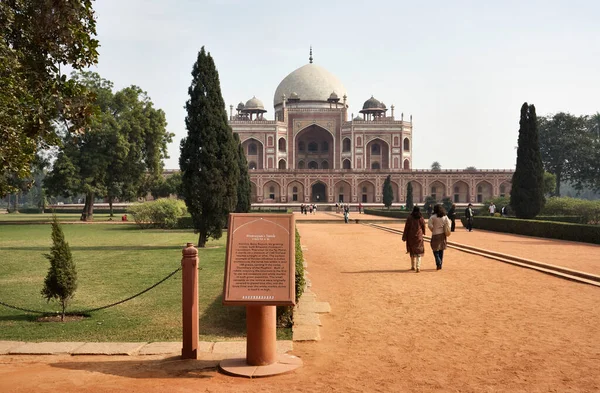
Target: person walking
{"x": 414, "y": 229}
{"x": 359, "y": 207}
{"x": 492, "y": 209}
{"x": 452, "y": 217}
{"x": 439, "y": 226}
{"x": 469, "y": 217}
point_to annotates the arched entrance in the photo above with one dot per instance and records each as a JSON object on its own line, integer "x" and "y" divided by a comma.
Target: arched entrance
{"x": 318, "y": 192}
{"x": 314, "y": 143}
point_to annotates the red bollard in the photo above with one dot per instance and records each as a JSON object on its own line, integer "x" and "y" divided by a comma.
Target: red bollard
{"x": 189, "y": 281}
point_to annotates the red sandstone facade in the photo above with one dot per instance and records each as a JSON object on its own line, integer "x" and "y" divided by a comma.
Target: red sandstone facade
{"x": 311, "y": 152}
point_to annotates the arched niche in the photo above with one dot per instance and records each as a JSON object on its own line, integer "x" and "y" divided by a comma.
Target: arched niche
{"x": 346, "y": 145}
{"x": 378, "y": 151}
{"x": 271, "y": 192}
{"x": 504, "y": 189}
{"x": 366, "y": 192}
{"x": 406, "y": 144}
{"x": 282, "y": 145}
{"x": 314, "y": 144}
{"x": 254, "y": 152}
{"x": 437, "y": 190}
{"x": 318, "y": 192}
{"x": 295, "y": 192}
{"x": 417, "y": 191}
{"x": 484, "y": 191}
{"x": 346, "y": 164}
{"x": 460, "y": 192}
{"x": 282, "y": 164}
{"x": 406, "y": 165}
{"x": 342, "y": 192}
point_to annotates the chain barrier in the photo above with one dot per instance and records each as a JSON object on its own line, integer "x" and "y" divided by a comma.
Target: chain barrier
{"x": 97, "y": 308}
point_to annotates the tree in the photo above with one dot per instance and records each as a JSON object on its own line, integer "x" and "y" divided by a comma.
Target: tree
{"x": 436, "y": 166}
{"x": 38, "y": 37}
{"x": 243, "y": 189}
{"x": 61, "y": 280}
{"x": 208, "y": 161}
{"x": 121, "y": 154}
{"x": 429, "y": 202}
{"x": 409, "y": 197}
{"x": 470, "y": 168}
{"x": 388, "y": 192}
{"x": 564, "y": 147}
{"x": 527, "y": 192}
{"x": 549, "y": 183}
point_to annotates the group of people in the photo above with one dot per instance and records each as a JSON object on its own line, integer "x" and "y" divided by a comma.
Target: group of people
{"x": 305, "y": 209}
{"x": 440, "y": 227}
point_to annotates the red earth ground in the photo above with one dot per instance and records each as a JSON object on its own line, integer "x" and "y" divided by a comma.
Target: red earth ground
{"x": 478, "y": 325}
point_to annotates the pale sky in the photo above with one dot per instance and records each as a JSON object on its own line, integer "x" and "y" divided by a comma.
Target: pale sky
{"x": 461, "y": 68}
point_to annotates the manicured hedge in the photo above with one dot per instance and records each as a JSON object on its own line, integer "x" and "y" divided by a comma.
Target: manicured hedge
{"x": 402, "y": 214}
{"x": 547, "y": 229}
{"x": 570, "y": 219}
{"x": 388, "y": 213}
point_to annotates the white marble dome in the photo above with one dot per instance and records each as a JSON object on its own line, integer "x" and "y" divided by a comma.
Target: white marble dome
{"x": 311, "y": 82}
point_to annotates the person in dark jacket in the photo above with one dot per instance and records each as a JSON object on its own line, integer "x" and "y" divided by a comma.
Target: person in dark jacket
{"x": 469, "y": 217}
{"x": 452, "y": 217}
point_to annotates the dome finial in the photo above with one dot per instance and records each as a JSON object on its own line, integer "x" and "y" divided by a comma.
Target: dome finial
{"x": 310, "y": 59}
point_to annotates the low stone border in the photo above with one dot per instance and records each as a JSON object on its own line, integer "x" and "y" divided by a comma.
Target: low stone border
{"x": 218, "y": 349}
{"x": 306, "y": 313}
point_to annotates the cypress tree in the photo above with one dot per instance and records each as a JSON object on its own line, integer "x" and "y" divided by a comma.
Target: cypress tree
{"x": 208, "y": 160}
{"x": 243, "y": 189}
{"x": 409, "y": 197}
{"x": 527, "y": 192}
{"x": 61, "y": 280}
{"x": 388, "y": 192}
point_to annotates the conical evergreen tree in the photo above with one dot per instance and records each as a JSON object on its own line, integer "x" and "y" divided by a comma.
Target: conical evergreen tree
{"x": 409, "y": 197}
{"x": 208, "y": 159}
{"x": 61, "y": 280}
{"x": 388, "y": 192}
{"x": 243, "y": 189}
{"x": 527, "y": 192}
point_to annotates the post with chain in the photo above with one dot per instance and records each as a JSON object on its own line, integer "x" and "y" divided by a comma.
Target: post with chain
{"x": 189, "y": 265}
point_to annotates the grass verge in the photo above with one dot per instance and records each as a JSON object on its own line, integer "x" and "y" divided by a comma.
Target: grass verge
{"x": 114, "y": 262}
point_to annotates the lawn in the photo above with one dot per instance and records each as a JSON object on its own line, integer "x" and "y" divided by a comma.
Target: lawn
{"x": 47, "y": 217}
{"x": 113, "y": 262}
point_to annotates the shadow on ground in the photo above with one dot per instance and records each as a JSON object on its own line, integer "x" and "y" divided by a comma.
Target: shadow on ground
{"x": 402, "y": 271}
{"x": 172, "y": 367}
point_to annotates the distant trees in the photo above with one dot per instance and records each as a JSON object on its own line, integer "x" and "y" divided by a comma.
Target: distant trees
{"x": 388, "y": 192}
{"x": 409, "y": 197}
{"x": 470, "y": 168}
{"x": 527, "y": 192}
{"x": 208, "y": 159}
{"x": 37, "y": 39}
{"x": 120, "y": 156}
{"x": 570, "y": 148}
{"x": 436, "y": 166}
{"x": 61, "y": 281}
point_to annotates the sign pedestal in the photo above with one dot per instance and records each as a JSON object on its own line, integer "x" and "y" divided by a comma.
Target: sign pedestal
{"x": 260, "y": 274}
{"x": 262, "y": 359}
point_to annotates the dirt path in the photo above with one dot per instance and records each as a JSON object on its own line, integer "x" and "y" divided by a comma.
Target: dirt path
{"x": 475, "y": 326}
{"x": 573, "y": 255}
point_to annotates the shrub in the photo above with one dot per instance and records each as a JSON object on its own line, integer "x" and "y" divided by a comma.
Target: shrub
{"x": 162, "y": 213}
{"x": 61, "y": 280}
{"x": 547, "y": 229}
{"x": 284, "y": 314}
{"x": 589, "y": 211}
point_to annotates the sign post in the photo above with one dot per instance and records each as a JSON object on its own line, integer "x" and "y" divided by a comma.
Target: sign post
{"x": 260, "y": 274}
